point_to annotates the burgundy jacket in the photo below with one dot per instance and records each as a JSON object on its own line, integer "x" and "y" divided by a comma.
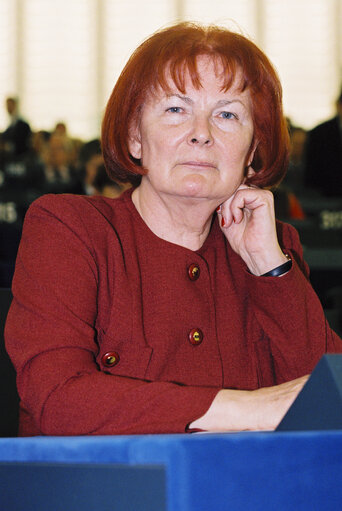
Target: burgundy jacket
{"x": 113, "y": 330}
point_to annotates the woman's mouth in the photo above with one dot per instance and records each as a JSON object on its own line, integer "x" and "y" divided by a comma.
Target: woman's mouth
{"x": 199, "y": 164}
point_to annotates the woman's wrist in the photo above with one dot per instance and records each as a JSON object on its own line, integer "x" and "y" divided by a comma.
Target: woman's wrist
{"x": 280, "y": 270}
{"x": 260, "y": 265}
{"x": 227, "y": 412}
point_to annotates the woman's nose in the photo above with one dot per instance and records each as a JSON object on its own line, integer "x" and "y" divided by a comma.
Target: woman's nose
{"x": 200, "y": 133}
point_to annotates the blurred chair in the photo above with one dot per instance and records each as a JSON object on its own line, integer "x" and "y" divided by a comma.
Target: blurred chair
{"x": 321, "y": 237}
{"x": 334, "y": 311}
{"x": 9, "y": 399}
{"x": 10, "y": 234}
{"x": 334, "y": 319}
{"x": 334, "y": 295}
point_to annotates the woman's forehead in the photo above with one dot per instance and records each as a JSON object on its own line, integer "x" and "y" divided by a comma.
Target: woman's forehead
{"x": 208, "y": 69}
{"x": 210, "y": 87}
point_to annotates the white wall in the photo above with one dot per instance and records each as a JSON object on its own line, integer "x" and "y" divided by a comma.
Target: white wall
{"x": 62, "y": 57}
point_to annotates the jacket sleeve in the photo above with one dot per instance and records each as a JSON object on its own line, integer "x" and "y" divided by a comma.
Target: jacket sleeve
{"x": 51, "y": 339}
{"x": 291, "y": 314}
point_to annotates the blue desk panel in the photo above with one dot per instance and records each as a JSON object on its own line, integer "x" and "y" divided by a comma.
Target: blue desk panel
{"x": 279, "y": 471}
{"x": 81, "y": 487}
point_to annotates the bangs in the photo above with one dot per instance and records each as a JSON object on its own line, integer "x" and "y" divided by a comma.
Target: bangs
{"x": 180, "y": 68}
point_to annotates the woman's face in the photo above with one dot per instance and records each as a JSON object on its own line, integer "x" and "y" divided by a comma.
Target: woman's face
{"x": 196, "y": 144}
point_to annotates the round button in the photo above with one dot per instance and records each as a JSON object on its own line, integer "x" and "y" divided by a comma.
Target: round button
{"x": 196, "y": 336}
{"x": 193, "y": 272}
{"x": 110, "y": 359}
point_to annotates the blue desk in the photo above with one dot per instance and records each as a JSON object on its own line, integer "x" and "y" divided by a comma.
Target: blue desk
{"x": 245, "y": 471}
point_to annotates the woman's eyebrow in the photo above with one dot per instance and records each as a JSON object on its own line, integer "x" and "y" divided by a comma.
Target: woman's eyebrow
{"x": 186, "y": 99}
{"x": 225, "y": 102}
{"x": 220, "y": 102}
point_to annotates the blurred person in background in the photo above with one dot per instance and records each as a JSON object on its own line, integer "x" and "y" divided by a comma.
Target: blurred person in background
{"x": 61, "y": 175}
{"x": 323, "y": 160}
{"x": 74, "y": 144}
{"x": 95, "y": 177}
{"x": 90, "y": 158}
{"x": 17, "y": 137}
{"x": 40, "y": 140}
{"x": 294, "y": 177}
{"x": 60, "y": 129}
{"x": 106, "y": 186}
{"x": 21, "y": 182}
{"x": 287, "y": 194}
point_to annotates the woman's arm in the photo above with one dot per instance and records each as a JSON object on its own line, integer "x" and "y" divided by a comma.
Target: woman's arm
{"x": 51, "y": 337}
{"x": 254, "y": 410}
{"x": 286, "y": 307}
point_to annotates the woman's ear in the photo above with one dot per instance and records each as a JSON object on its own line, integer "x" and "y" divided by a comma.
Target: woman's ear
{"x": 249, "y": 173}
{"x": 134, "y": 141}
{"x": 252, "y": 151}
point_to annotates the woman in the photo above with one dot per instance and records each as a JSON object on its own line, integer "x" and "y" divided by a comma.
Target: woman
{"x": 181, "y": 305}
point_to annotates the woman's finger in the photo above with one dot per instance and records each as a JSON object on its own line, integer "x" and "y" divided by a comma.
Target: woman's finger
{"x": 245, "y": 198}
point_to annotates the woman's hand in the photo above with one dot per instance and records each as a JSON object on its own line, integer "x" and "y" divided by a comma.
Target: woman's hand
{"x": 254, "y": 410}
{"x": 247, "y": 220}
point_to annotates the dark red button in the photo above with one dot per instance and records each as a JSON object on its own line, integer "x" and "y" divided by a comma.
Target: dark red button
{"x": 193, "y": 272}
{"x": 196, "y": 336}
{"x": 110, "y": 359}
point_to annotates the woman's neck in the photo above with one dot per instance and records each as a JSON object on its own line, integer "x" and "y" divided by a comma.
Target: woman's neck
{"x": 181, "y": 220}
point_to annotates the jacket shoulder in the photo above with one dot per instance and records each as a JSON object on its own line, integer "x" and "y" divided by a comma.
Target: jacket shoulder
{"x": 69, "y": 206}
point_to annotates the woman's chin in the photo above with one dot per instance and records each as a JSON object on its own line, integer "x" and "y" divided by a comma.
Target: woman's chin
{"x": 195, "y": 186}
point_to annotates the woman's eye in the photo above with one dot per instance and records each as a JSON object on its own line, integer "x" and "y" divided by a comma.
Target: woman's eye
{"x": 174, "y": 109}
{"x": 228, "y": 115}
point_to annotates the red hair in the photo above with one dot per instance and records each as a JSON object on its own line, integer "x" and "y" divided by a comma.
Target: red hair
{"x": 174, "y": 51}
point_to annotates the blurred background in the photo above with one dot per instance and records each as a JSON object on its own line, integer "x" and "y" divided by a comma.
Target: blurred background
{"x": 59, "y": 61}
{"x": 62, "y": 58}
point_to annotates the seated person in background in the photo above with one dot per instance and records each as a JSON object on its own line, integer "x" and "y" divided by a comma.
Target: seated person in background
{"x": 60, "y": 129}
{"x": 323, "y": 162}
{"x": 181, "y": 305}
{"x": 61, "y": 175}
{"x": 74, "y": 145}
{"x": 40, "y": 141}
{"x": 287, "y": 205}
{"x": 106, "y": 186}
{"x": 90, "y": 159}
{"x": 294, "y": 178}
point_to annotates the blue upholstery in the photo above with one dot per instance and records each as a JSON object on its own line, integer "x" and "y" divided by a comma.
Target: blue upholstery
{"x": 244, "y": 471}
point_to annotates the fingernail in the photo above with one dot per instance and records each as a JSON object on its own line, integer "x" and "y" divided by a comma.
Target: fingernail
{"x": 222, "y": 222}
{"x": 218, "y": 208}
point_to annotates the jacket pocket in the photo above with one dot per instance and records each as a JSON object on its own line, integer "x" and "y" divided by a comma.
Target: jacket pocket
{"x": 123, "y": 357}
